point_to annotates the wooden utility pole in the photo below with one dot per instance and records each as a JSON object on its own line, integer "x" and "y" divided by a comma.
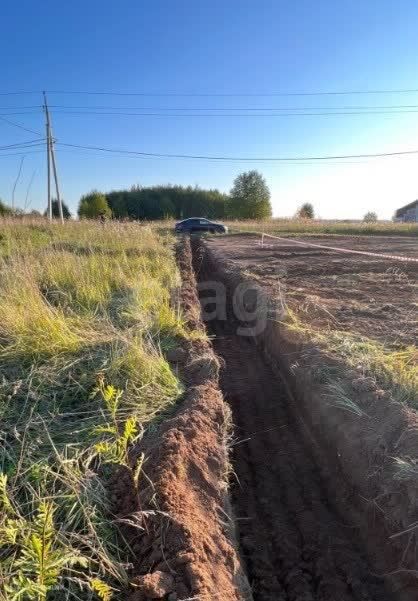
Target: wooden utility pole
{"x": 48, "y": 158}
{"x": 54, "y": 167}
{"x": 51, "y": 156}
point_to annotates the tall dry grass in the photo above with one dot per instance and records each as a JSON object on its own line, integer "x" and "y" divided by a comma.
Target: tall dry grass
{"x": 395, "y": 370}
{"x": 323, "y": 226}
{"x": 85, "y": 315}
{"x": 293, "y": 226}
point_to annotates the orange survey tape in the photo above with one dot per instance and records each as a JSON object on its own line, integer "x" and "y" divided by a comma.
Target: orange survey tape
{"x": 342, "y": 250}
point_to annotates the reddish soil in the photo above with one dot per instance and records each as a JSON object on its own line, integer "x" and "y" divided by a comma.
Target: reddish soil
{"x": 314, "y": 500}
{"x": 183, "y": 539}
{"x": 296, "y": 544}
{"x": 351, "y": 293}
{"x": 321, "y": 508}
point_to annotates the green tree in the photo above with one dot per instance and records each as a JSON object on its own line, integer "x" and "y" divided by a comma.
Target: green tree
{"x": 306, "y": 211}
{"x": 4, "y": 209}
{"x": 160, "y": 202}
{"x": 94, "y": 205}
{"x": 117, "y": 201}
{"x": 56, "y": 210}
{"x": 370, "y": 217}
{"x": 250, "y": 197}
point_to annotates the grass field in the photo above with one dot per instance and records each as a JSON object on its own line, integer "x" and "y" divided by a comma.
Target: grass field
{"x": 316, "y": 226}
{"x": 306, "y": 227}
{"x": 86, "y": 313}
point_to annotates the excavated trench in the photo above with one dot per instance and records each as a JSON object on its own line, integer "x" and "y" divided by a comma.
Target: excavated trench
{"x": 297, "y": 542}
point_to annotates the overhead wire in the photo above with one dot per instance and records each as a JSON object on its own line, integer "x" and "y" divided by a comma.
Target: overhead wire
{"x": 216, "y": 94}
{"x": 16, "y": 154}
{"x": 244, "y": 159}
{"x": 20, "y": 113}
{"x": 234, "y": 94}
{"x": 26, "y": 144}
{"x": 218, "y": 112}
{"x": 20, "y": 126}
{"x": 290, "y": 108}
{"x": 12, "y": 108}
{"x": 20, "y": 93}
{"x": 159, "y": 114}
{"x": 92, "y": 153}
{"x": 260, "y": 112}
{"x": 225, "y": 108}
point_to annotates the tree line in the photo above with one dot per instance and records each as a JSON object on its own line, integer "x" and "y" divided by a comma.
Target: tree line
{"x": 163, "y": 202}
{"x": 249, "y": 199}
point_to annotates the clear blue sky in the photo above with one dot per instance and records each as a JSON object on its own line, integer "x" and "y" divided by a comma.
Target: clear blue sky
{"x": 222, "y": 46}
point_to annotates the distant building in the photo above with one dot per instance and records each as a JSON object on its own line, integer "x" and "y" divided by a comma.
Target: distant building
{"x": 408, "y": 212}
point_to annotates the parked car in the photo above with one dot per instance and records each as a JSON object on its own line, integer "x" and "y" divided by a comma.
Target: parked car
{"x": 200, "y": 224}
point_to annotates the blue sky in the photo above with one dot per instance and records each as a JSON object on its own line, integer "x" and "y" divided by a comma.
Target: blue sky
{"x": 217, "y": 47}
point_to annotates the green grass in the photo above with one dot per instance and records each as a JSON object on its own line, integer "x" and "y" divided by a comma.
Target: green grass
{"x": 393, "y": 370}
{"x": 85, "y": 311}
{"x": 293, "y": 227}
{"x": 322, "y": 226}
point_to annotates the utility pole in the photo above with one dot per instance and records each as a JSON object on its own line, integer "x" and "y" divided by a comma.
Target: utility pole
{"x": 51, "y": 156}
{"x": 48, "y": 158}
{"x": 54, "y": 167}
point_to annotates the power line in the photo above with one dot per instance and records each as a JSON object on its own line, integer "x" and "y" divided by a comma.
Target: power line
{"x": 216, "y": 94}
{"x": 345, "y": 113}
{"x": 16, "y": 180}
{"x": 18, "y": 154}
{"x": 260, "y": 113}
{"x": 27, "y": 147}
{"x": 13, "y": 108}
{"x": 20, "y": 92}
{"x": 191, "y": 109}
{"x": 35, "y": 142}
{"x": 20, "y": 113}
{"x": 32, "y": 131}
{"x": 28, "y": 190}
{"x": 235, "y": 94}
{"x": 90, "y": 153}
{"x": 253, "y": 159}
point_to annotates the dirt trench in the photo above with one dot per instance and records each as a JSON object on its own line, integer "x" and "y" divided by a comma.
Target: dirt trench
{"x": 297, "y": 543}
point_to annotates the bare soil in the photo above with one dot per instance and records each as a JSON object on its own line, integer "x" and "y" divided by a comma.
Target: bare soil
{"x": 321, "y": 510}
{"x": 311, "y": 510}
{"x": 177, "y": 520}
{"x": 352, "y": 293}
{"x": 295, "y": 544}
